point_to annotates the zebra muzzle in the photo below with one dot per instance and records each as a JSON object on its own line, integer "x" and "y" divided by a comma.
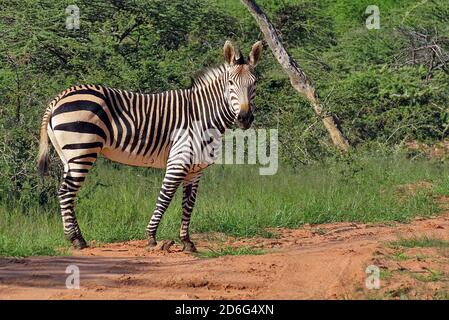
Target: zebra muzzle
{"x": 244, "y": 120}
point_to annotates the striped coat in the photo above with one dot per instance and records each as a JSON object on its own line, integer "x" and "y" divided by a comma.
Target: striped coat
{"x": 149, "y": 130}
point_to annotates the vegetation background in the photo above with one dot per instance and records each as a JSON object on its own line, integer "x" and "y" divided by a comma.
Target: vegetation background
{"x": 365, "y": 77}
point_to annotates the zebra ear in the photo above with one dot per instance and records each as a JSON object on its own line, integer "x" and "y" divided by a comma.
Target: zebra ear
{"x": 255, "y": 54}
{"x": 229, "y": 53}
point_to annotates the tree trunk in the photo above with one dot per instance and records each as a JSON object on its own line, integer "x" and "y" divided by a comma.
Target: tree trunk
{"x": 298, "y": 78}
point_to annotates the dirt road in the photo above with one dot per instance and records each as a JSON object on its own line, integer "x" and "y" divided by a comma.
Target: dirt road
{"x": 323, "y": 261}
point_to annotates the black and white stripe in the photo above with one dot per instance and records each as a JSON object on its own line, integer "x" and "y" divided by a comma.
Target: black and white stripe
{"x": 150, "y": 130}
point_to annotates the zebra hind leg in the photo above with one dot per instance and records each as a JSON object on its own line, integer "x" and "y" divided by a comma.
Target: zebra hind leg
{"x": 188, "y": 202}
{"x": 73, "y": 180}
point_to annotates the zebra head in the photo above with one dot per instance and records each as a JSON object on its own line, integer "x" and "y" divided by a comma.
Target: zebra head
{"x": 241, "y": 82}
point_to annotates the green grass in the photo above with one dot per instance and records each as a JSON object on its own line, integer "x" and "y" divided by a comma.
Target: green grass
{"x": 117, "y": 201}
{"x": 434, "y": 276}
{"x": 423, "y": 242}
{"x": 230, "y": 251}
{"x": 400, "y": 256}
{"x": 33, "y": 233}
{"x": 385, "y": 274}
{"x": 442, "y": 295}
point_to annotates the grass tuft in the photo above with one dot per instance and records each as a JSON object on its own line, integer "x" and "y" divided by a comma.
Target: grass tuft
{"x": 434, "y": 276}
{"x": 230, "y": 251}
{"x": 423, "y": 242}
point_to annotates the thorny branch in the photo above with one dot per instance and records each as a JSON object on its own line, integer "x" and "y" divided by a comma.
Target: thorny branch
{"x": 424, "y": 47}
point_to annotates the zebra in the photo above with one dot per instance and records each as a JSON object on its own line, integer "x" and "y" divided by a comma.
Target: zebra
{"x": 137, "y": 129}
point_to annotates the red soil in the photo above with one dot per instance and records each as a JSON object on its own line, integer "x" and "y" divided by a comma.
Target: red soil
{"x": 314, "y": 262}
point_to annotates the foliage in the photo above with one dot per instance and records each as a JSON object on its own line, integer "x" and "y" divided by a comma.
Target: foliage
{"x": 156, "y": 45}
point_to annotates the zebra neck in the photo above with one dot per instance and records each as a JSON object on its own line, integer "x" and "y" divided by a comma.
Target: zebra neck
{"x": 209, "y": 102}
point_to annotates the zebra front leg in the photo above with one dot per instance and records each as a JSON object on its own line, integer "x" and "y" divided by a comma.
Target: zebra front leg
{"x": 172, "y": 179}
{"x": 188, "y": 202}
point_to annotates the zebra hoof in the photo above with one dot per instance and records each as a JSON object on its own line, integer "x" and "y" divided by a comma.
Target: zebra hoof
{"x": 79, "y": 243}
{"x": 163, "y": 246}
{"x": 152, "y": 242}
{"x": 166, "y": 245}
{"x": 189, "y": 247}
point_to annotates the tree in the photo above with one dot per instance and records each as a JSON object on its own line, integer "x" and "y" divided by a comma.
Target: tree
{"x": 298, "y": 78}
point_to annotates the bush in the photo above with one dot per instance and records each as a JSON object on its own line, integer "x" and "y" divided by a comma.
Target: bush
{"x": 158, "y": 45}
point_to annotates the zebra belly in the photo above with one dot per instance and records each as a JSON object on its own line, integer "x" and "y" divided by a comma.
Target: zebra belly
{"x": 132, "y": 159}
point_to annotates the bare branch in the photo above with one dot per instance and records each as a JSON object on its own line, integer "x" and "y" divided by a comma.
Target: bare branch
{"x": 298, "y": 78}
{"x": 424, "y": 47}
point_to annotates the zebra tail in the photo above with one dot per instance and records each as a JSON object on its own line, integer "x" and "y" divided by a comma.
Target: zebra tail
{"x": 43, "y": 157}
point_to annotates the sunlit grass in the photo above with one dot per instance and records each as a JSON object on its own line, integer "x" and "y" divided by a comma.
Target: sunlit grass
{"x": 230, "y": 251}
{"x": 117, "y": 201}
{"x": 423, "y": 242}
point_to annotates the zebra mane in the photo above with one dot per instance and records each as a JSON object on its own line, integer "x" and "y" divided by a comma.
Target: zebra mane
{"x": 207, "y": 75}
